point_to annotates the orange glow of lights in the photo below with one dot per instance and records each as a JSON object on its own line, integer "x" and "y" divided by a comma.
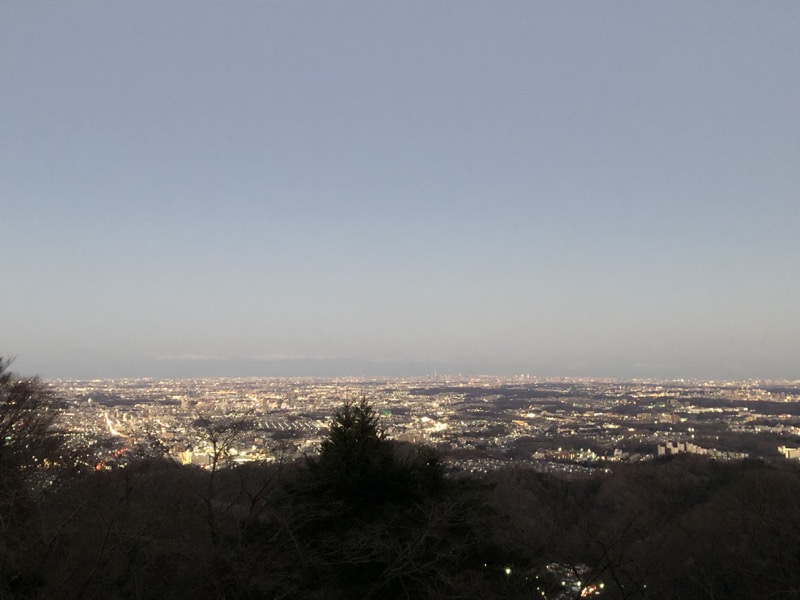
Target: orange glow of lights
{"x": 588, "y": 591}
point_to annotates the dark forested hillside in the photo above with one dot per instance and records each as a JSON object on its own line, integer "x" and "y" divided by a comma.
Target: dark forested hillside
{"x": 371, "y": 518}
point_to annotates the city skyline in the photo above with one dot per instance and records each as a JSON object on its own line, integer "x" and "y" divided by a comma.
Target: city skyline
{"x": 358, "y": 189}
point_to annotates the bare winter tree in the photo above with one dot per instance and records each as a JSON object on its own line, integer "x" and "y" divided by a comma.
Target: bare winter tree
{"x": 27, "y": 441}
{"x": 29, "y": 455}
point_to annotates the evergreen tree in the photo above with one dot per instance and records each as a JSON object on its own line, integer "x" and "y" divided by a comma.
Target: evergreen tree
{"x": 359, "y": 464}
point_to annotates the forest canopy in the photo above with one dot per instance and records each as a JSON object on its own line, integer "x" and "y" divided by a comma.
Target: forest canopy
{"x": 369, "y": 517}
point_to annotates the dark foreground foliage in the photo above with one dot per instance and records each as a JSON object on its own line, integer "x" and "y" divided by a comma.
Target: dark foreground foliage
{"x": 370, "y": 518}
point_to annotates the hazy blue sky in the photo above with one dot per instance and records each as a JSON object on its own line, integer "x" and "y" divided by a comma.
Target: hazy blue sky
{"x": 341, "y": 187}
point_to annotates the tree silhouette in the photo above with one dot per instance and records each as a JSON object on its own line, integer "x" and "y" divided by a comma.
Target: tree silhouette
{"x": 29, "y": 459}
{"x": 355, "y": 440}
{"x": 27, "y": 441}
{"x": 356, "y": 461}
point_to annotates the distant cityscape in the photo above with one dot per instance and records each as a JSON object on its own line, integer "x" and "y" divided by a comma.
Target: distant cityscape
{"x": 566, "y": 426}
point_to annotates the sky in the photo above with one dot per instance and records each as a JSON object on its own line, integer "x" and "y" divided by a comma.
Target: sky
{"x": 395, "y": 188}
